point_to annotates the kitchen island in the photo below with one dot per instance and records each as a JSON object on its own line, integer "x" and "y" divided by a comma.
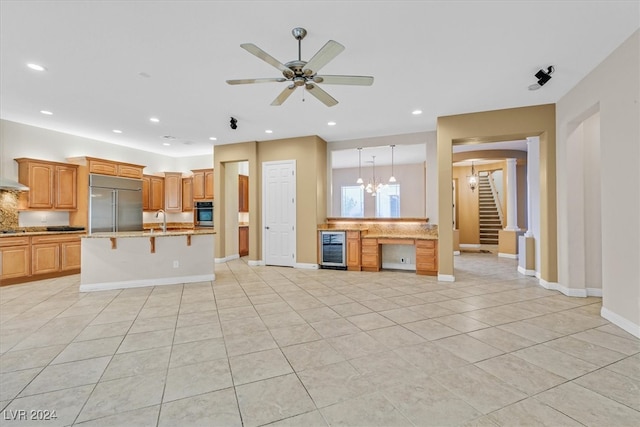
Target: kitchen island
{"x": 134, "y": 259}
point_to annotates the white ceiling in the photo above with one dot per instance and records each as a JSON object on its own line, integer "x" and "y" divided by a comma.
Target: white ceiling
{"x": 441, "y": 57}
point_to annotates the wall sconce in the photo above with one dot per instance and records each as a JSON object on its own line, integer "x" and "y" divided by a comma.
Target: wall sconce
{"x": 473, "y": 178}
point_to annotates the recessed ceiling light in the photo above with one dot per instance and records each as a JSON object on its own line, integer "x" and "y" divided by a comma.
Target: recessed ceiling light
{"x": 416, "y": 112}
{"x": 36, "y": 67}
{"x": 117, "y": 131}
{"x": 268, "y": 131}
{"x": 331, "y": 123}
{"x": 213, "y": 138}
{"x": 155, "y": 120}
{"x": 46, "y": 113}
{"x": 166, "y": 144}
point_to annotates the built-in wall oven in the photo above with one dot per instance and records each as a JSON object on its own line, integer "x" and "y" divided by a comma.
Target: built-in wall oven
{"x": 333, "y": 247}
{"x": 203, "y": 213}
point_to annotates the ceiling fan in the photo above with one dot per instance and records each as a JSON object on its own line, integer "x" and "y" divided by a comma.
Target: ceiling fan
{"x": 305, "y": 74}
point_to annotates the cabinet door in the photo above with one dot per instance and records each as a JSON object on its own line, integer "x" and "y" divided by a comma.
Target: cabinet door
{"x": 156, "y": 193}
{"x": 243, "y": 193}
{"x": 208, "y": 185}
{"x": 103, "y": 167}
{"x": 198, "y": 186}
{"x": 187, "y": 194}
{"x": 14, "y": 262}
{"x": 427, "y": 257}
{"x": 146, "y": 193}
{"x": 243, "y": 243}
{"x": 128, "y": 171}
{"x": 66, "y": 178}
{"x": 40, "y": 186}
{"x": 353, "y": 250}
{"x": 172, "y": 192}
{"x": 45, "y": 258}
{"x": 70, "y": 255}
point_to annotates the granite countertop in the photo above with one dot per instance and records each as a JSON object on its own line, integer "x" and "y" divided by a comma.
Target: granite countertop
{"x": 413, "y": 236}
{"x": 40, "y": 233}
{"x": 342, "y": 227}
{"x": 171, "y": 233}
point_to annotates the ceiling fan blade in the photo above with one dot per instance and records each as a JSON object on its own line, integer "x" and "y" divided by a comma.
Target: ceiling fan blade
{"x": 255, "y": 50}
{"x": 323, "y": 96}
{"x": 284, "y": 95}
{"x": 344, "y": 80}
{"x": 247, "y": 81}
{"x": 329, "y": 51}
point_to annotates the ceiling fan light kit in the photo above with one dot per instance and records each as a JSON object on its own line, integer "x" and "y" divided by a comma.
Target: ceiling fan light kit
{"x": 303, "y": 74}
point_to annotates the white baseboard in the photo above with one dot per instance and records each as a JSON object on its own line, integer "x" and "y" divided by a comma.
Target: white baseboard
{"x": 306, "y": 266}
{"x": 446, "y": 278}
{"x": 456, "y": 253}
{"x": 511, "y": 256}
{"x": 526, "y": 272}
{"x": 621, "y": 322}
{"x": 127, "y": 284}
{"x": 398, "y": 266}
{"x": 227, "y": 258}
{"x": 256, "y": 263}
{"x": 470, "y": 245}
{"x": 571, "y": 292}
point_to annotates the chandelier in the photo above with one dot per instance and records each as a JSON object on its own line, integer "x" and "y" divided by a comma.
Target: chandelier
{"x": 473, "y": 178}
{"x": 374, "y": 185}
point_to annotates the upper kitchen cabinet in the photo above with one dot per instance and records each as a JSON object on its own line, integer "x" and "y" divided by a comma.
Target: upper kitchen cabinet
{"x": 243, "y": 193}
{"x": 153, "y": 195}
{"x": 173, "y": 192}
{"x": 203, "y": 184}
{"x": 51, "y": 185}
{"x": 109, "y": 167}
{"x": 187, "y": 194}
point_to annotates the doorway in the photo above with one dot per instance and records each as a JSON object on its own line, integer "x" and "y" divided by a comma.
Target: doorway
{"x": 279, "y": 213}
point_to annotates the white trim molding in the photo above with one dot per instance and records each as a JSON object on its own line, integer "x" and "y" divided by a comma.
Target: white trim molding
{"x": 510, "y": 256}
{"x": 227, "y": 258}
{"x": 127, "y": 284}
{"x": 446, "y": 278}
{"x": 621, "y": 322}
{"x": 256, "y": 263}
{"x": 470, "y": 246}
{"x": 526, "y": 272}
{"x": 456, "y": 253}
{"x": 571, "y": 292}
{"x": 306, "y": 266}
{"x": 398, "y": 266}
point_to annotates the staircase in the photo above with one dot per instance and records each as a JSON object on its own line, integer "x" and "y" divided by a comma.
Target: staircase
{"x": 490, "y": 221}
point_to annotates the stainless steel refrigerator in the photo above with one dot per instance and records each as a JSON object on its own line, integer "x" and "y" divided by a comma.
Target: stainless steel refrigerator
{"x": 115, "y": 204}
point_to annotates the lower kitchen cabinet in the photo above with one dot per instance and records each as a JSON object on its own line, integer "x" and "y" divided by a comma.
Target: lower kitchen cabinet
{"x": 427, "y": 257}
{"x": 370, "y": 255}
{"x": 353, "y": 250}
{"x": 14, "y": 258}
{"x": 243, "y": 240}
{"x": 45, "y": 258}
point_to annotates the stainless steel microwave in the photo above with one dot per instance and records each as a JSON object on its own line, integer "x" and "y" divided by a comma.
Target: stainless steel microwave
{"x": 203, "y": 212}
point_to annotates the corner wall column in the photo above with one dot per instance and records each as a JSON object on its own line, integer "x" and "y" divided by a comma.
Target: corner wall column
{"x": 512, "y": 197}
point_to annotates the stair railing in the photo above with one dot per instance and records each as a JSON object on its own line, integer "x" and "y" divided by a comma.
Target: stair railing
{"x": 496, "y": 198}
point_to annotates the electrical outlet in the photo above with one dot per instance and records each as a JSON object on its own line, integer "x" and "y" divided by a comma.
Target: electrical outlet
{"x": 403, "y": 260}
{"x": 176, "y": 264}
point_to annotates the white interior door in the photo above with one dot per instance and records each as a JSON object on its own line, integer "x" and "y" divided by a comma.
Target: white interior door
{"x": 279, "y": 212}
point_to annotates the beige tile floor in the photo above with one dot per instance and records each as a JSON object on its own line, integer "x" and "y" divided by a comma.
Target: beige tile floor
{"x": 267, "y": 345}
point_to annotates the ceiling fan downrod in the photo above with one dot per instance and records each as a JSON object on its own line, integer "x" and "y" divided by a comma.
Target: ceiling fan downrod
{"x": 299, "y": 34}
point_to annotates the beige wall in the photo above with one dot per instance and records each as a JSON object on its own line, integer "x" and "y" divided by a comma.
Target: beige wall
{"x": 311, "y": 177}
{"x": 613, "y": 89}
{"x": 492, "y": 126}
{"x": 412, "y": 188}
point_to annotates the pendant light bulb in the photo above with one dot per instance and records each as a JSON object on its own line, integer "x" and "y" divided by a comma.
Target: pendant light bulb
{"x": 393, "y": 177}
{"x": 359, "y": 180}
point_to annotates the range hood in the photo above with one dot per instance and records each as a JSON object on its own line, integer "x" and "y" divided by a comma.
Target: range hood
{"x": 8, "y": 184}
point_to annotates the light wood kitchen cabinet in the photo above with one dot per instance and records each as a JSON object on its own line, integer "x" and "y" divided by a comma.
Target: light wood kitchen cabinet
{"x": 353, "y": 250}
{"x": 55, "y": 253}
{"x": 203, "y": 184}
{"x": 427, "y": 257}
{"x": 14, "y": 258}
{"x": 243, "y": 240}
{"x": 110, "y": 167}
{"x": 187, "y": 194}
{"x": 173, "y": 192}
{"x": 152, "y": 193}
{"x": 243, "y": 193}
{"x": 370, "y": 255}
{"x": 51, "y": 185}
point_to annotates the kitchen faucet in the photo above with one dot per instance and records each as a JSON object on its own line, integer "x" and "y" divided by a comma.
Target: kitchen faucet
{"x": 164, "y": 220}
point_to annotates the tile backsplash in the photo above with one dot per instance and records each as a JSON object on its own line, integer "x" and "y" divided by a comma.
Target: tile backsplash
{"x": 8, "y": 210}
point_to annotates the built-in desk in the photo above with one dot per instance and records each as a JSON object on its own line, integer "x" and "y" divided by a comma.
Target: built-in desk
{"x": 365, "y": 238}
